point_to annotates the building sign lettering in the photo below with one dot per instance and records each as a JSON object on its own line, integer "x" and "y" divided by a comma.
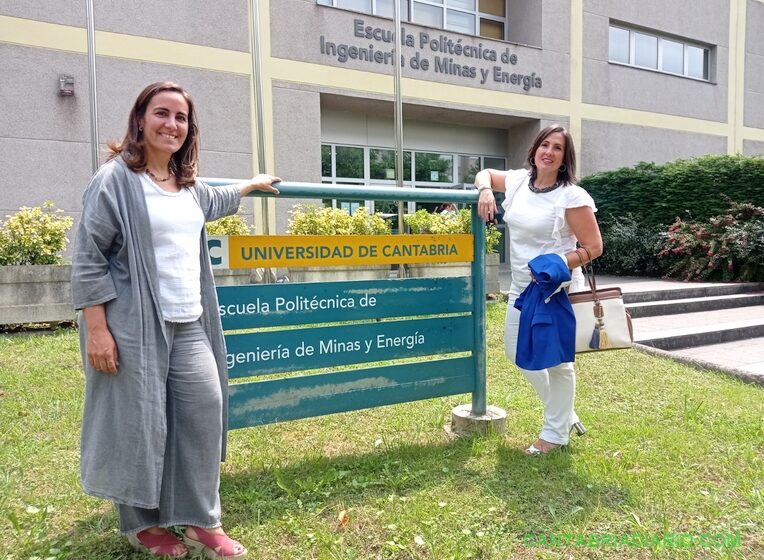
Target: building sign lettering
{"x": 449, "y": 56}
{"x": 250, "y": 251}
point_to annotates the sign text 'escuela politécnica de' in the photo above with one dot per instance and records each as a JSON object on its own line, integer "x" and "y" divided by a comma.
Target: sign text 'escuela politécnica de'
{"x": 449, "y": 56}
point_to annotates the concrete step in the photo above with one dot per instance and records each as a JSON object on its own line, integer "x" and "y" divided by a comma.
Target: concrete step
{"x": 694, "y": 304}
{"x": 673, "y": 320}
{"x": 672, "y": 332}
{"x": 743, "y": 355}
{"x": 679, "y": 290}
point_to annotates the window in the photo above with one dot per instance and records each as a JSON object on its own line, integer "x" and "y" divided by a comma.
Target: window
{"x": 434, "y": 168}
{"x": 672, "y": 56}
{"x": 485, "y": 18}
{"x": 468, "y": 168}
{"x": 326, "y": 161}
{"x": 645, "y": 50}
{"x": 357, "y": 5}
{"x": 382, "y": 165}
{"x": 664, "y": 54}
{"x": 494, "y": 163}
{"x": 697, "y": 62}
{"x": 619, "y": 45}
{"x": 384, "y": 8}
{"x": 356, "y": 165}
{"x": 349, "y": 162}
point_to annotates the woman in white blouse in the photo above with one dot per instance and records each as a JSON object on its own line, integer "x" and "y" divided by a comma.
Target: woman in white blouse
{"x": 545, "y": 212}
{"x": 155, "y": 414}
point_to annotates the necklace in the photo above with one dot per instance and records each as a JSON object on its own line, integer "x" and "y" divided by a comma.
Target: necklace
{"x": 157, "y": 179}
{"x": 533, "y": 188}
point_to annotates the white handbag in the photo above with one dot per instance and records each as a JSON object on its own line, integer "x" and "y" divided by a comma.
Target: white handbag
{"x": 602, "y": 320}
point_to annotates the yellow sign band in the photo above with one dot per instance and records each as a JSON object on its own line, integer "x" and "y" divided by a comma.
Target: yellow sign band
{"x": 250, "y": 251}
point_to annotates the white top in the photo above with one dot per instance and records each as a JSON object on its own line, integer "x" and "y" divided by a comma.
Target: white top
{"x": 537, "y": 226}
{"x": 176, "y": 227}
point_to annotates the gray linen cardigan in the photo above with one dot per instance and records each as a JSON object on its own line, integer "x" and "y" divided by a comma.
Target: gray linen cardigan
{"x": 124, "y": 419}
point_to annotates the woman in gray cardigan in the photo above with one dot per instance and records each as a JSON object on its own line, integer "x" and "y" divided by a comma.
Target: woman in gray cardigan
{"x": 154, "y": 421}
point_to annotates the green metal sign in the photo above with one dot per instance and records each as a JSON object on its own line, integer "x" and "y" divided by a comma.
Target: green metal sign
{"x": 433, "y": 329}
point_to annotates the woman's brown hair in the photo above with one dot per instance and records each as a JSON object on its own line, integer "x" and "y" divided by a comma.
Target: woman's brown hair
{"x": 567, "y": 171}
{"x": 183, "y": 163}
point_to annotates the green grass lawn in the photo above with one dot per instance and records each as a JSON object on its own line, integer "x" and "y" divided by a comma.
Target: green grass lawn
{"x": 670, "y": 450}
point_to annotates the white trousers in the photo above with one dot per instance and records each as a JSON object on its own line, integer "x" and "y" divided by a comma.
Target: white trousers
{"x": 555, "y": 386}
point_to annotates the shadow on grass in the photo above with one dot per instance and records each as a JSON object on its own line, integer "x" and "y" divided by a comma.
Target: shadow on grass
{"x": 544, "y": 494}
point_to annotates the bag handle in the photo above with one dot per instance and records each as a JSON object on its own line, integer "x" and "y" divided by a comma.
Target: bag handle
{"x": 587, "y": 267}
{"x": 588, "y": 271}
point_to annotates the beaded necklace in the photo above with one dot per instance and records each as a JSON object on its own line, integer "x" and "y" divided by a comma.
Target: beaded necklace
{"x": 533, "y": 188}
{"x": 157, "y": 179}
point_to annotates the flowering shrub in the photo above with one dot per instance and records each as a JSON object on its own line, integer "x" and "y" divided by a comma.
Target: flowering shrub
{"x": 448, "y": 223}
{"x": 34, "y": 235}
{"x": 228, "y": 225}
{"x": 728, "y": 247}
{"x": 308, "y": 219}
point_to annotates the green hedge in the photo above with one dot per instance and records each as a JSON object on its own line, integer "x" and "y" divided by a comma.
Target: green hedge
{"x": 691, "y": 189}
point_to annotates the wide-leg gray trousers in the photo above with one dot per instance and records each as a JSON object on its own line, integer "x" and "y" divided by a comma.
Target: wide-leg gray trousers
{"x": 191, "y": 475}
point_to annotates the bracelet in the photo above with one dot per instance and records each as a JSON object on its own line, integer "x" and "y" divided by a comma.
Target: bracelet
{"x": 483, "y": 187}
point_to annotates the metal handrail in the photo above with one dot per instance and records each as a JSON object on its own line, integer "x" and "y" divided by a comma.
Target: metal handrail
{"x": 289, "y": 189}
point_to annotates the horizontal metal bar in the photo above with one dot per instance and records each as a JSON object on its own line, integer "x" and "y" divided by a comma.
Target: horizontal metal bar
{"x": 360, "y": 192}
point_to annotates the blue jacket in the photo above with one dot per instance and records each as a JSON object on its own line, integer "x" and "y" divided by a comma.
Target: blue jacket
{"x": 547, "y": 333}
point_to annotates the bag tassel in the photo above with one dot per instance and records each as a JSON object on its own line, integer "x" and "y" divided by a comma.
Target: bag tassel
{"x": 594, "y": 343}
{"x": 599, "y": 340}
{"x": 604, "y": 340}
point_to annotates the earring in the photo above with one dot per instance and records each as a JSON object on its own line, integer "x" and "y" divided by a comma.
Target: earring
{"x": 562, "y": 168}
{"x": 533, "y": 163}
{"x": 140, "y": 129}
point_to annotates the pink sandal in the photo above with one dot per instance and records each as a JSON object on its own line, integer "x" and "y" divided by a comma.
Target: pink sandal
{"x": 215, "y": 546}
{"x": 164, "y": 545}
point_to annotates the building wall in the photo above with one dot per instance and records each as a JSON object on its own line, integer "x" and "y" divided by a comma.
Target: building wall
{"x": 298, "y": 26}
{"x": 753, "y": 147}
{"x": 364, "y": 129}
{"x": 611, "y": 145}
{"x": 618, "y": 115}
{"x": 297, "y": 142}
{"x": 754, "y": 65}
{"x": 45, "y": 148}
{"x": 44, "y": 138}
{"x": 615, "y": 85}
{"x": 213, "y": 24}
{"x": 65, "y": 12}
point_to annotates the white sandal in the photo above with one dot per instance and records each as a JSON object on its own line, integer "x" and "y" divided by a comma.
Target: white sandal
{"x": 534, "y": 451}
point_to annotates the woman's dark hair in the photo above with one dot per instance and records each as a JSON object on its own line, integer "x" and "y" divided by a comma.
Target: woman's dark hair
{"x": 183, "y": 163}
{"x": 567, "y": 172}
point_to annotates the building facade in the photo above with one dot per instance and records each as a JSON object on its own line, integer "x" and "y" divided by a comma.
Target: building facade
{"x": 633, "y": 81}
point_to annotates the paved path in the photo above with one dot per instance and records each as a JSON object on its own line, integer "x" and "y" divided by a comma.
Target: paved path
{"x": 743, "y": 358}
